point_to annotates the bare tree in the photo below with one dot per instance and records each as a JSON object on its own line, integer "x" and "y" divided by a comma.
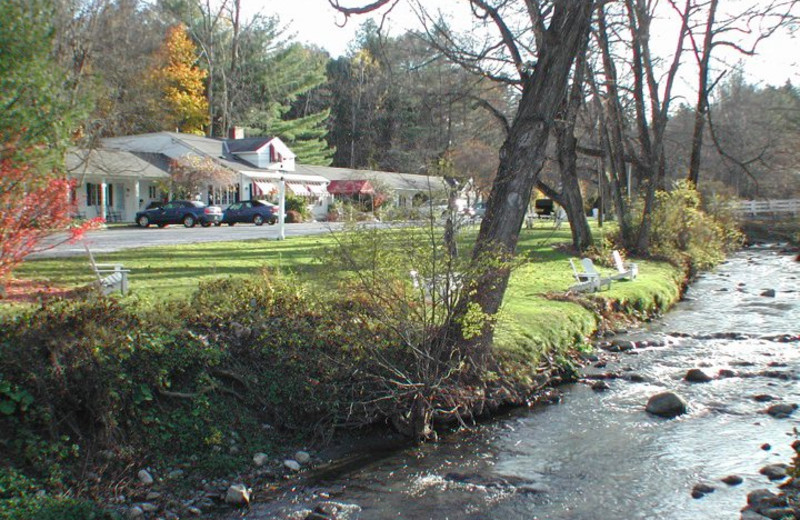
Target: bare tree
{"x": 650, "y": 101}
{"x": 570, "y": 197}
{"x": 741, "y": 31}
{"x": 536, "y": 57}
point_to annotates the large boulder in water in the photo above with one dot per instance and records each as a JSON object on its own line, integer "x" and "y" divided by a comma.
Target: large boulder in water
{"x": 696, "y": 375}
{"x": 774, "y": 471}
{"x": 667, "y": 404}
{"x": 782, "y": 410}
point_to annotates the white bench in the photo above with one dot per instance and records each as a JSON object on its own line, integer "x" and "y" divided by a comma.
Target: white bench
{"x": 110, "y": 277}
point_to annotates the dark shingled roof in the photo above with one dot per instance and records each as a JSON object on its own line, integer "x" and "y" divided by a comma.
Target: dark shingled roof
{"x": 116, "y": 164}
{"x": 250, "y": 144}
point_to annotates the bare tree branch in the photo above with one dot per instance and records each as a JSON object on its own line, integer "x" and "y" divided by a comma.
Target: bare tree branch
{"x": 743, "y": 165}
{"x": 494, "y": 112}
{"x": 364, "y": 9}
{"x": 508, "y": 38}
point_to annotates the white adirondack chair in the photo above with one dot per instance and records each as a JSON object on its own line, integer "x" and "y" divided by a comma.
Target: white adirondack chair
{"x": 590, "y": 269}
{"x": 627, "y": 270}
{"x": 585, "y": 281}
{"x": 444, "y": 285}
{"x": 590, "y": 273}
{"x": 110, "y": 277}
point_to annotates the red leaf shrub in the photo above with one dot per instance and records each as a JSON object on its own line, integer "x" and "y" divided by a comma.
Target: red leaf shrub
{"x": 33, "y": 206}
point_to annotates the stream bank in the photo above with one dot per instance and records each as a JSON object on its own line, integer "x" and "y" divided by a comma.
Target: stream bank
{"x": 279, "y": 473}
{"x": 598, "y": 450}
{"x": 193, "y": 392}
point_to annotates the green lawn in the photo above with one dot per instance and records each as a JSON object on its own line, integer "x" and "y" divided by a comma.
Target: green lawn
{"x": 531, "y": 322}
{"x": 174, "y": 271}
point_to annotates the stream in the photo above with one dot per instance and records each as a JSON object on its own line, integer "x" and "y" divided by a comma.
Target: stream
{"x": 598, "y": 454}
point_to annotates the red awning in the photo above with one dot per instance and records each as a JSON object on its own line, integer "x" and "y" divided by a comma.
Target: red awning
{"x": 350, "y": 188}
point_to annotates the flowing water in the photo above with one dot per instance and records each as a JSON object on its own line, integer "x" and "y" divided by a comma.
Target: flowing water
{"x": 599, "y": 455}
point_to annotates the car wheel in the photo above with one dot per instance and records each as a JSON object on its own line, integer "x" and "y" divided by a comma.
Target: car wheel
{"x": 273, "y": 221}
{"x": 258, "y": 220}
{"x": 205, "y": 224}
{"x": 231, "y": 223}
{"x": 188, "y": 221}
{"x": 143, "y": 221}
{"x": 162, "y": 226}
{"x": 218, "y": 224}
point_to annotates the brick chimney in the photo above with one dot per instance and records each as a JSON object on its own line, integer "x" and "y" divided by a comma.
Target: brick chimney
{"x": 236, "y": 132}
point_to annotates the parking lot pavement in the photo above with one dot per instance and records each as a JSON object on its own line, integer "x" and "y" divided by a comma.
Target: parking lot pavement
{"x": 118, "y": 238}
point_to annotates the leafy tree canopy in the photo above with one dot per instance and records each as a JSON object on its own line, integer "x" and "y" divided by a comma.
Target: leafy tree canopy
{"x": 35, "y": 105}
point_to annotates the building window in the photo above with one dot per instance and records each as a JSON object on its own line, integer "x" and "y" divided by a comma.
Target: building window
{"x": 152, "y": 192}
{"x": 225, "y": 196}
{"x": 92, "y": 194}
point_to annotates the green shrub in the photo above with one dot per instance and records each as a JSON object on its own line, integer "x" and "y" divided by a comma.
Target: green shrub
{"x": 297, "y": 204}
{"x": 77, "y": 377}
{"x": 684, "y": 233}
{"x": 70, "y": 360}
{"x": 19, "y": 501}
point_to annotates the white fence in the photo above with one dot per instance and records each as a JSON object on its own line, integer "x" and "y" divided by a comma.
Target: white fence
{"x": 757, "y": 207}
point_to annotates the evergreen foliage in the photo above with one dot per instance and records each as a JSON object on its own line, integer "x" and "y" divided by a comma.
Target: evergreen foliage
{"x": 35, "y": 107}
{"x": 398, "y": 105}
{"x": 753, "y": 150}
{"x": 281, "y": 79}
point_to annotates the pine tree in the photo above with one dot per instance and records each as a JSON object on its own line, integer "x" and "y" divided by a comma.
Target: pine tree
{"x": 285, "y": 78}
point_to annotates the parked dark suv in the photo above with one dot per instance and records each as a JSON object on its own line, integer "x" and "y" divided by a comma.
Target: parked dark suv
{"x": 186, "y": 212}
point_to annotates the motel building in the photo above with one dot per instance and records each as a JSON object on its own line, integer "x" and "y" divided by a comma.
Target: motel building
{"x": 127, "y": 174}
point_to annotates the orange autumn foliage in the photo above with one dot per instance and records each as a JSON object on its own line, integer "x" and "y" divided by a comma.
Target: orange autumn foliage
{"x": 182, "y": 82}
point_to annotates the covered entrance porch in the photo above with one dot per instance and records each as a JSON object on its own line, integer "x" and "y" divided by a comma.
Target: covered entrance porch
{"x": 113, "y": 185}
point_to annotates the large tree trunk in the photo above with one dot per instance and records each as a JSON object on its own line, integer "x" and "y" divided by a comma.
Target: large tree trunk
{"x": 573, "y": 199}
{"x": 521, "y": 159}
{"x": 612, "y": 131}
{"x": 567, "y": 154}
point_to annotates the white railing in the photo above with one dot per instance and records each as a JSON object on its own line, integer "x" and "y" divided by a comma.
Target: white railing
{"x": 756, "y": 207}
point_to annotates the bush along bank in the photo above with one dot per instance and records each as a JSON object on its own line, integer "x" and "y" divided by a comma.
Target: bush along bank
{"x": 164, "y": 409}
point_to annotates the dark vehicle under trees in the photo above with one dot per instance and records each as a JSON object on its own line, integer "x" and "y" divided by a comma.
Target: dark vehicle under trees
{"x": 186, "y": 212}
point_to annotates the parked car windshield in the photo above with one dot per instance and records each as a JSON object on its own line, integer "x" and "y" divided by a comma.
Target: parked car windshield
{"x": 198, "y": 204}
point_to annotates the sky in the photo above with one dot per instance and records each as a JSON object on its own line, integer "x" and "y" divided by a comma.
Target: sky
{"x": 315, "y": 22}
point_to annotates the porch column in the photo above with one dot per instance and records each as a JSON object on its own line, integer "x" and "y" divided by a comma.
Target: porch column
{"x": 103, "y": 205}
{"x": 136, "y": 198}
